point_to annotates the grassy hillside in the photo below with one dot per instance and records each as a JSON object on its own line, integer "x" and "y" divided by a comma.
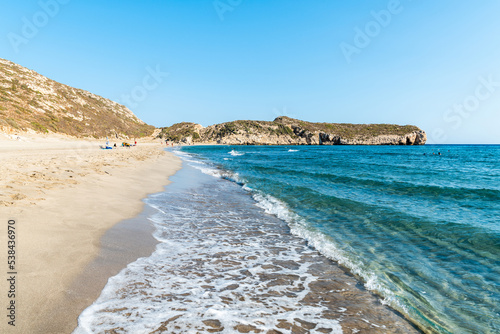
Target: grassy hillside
{"x": 30, "y": 101}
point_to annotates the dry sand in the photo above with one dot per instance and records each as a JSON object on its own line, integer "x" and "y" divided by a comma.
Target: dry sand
{"x": 64, "y": 195}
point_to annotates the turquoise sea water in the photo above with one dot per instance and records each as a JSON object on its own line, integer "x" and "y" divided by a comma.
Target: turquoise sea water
{"x": 421, "y": 230}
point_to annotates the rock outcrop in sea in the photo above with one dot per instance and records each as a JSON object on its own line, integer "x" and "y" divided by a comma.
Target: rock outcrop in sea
{"x": 288, "y": 131}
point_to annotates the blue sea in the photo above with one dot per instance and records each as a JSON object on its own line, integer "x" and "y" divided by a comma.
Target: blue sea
{"x": 390, "y": 232}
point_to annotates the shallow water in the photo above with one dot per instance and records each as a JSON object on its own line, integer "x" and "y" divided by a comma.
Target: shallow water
{"x": 224, "y": 265}
{"x": 244, "y": 246}
{"x": 421, "y": 230}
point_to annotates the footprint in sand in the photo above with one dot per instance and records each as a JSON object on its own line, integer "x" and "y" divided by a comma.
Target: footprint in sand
{"x": 18, "y": 197}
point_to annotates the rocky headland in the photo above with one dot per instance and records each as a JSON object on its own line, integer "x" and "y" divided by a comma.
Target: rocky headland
{"x": 288, "y": 131}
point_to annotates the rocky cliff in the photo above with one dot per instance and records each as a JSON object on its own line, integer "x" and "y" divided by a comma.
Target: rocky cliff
{"x": 32, "y": 102}
{"x": 289, "y": 131}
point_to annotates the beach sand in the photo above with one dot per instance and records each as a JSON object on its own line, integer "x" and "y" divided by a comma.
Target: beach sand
{"x": 64, "y": 195}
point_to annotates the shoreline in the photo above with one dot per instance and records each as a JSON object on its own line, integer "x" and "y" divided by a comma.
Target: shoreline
{"x": 261, "y": 268}
{"x": 343, "y": 270}
{"x": 121, "y": 245}
{"x": 65, "y": 195}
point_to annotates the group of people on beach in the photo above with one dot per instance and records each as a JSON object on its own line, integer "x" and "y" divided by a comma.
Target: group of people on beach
{"x": 124, "y": 144}
{"x": 167, "y": 144}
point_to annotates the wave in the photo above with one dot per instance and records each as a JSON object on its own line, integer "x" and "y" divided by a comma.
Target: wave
{"x": 204, "y": 268}
{"x": 324, "y": 244}
{"x": 236, "y": 153}
{"x": 209, "y": 169}
{"x": 393, "y": 186}
{"x": 316, "y": 239}
{"x": 290, "y": 150}
{"x": 394, "y": 290}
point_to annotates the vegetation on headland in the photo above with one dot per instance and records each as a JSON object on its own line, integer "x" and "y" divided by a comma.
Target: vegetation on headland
{"x": 348, "y": 130}
{"x": 32, "y": 102}
{"x": 179, "y": 131}
{"x": 286, "y": 130}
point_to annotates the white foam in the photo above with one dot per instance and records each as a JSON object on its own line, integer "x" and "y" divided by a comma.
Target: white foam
{"x": 236, "y": 153}
{"x": 213, "y": 171}
{"x": 209, "y": 264}
{"x": 290, "y": 150}
{"x": 326, "y": 246}
{"x": 319, "y": 241}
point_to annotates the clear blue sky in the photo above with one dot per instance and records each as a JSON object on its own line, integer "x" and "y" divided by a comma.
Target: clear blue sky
{"x": 435, "y": 64}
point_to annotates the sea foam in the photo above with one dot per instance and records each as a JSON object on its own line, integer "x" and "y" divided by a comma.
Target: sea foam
{"x": 219, "y": 264}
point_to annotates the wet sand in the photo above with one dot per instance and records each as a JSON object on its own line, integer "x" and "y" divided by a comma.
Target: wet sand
{"x": 120, "y": 245}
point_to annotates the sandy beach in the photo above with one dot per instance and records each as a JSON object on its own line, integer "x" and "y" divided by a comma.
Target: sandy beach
{"x": 64, "y": 195}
